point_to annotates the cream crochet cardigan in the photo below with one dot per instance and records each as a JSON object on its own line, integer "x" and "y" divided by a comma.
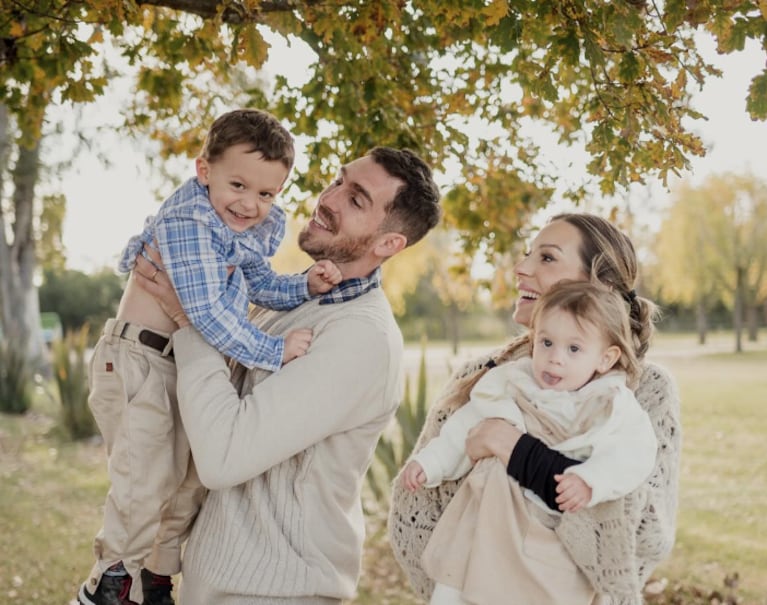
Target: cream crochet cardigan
{"x": 616, "y": 544}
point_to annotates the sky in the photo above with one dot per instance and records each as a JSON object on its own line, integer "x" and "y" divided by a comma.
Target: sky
{"x": 107, "y": 205}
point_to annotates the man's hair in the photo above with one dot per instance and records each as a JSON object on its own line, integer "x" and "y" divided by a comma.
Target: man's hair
{"x": 253, "y": 127}
{"x": 415, "y": 208}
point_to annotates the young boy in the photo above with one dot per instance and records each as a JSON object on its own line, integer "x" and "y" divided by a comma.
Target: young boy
{"x": 215, "y": 233}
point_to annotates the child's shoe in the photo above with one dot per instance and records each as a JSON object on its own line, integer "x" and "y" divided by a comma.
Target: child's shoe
{"x": 157, "y": 589}
{"x": 112, "y": 590}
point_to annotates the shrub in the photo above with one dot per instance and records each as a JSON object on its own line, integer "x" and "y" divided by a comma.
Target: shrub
{"x": 392, "y": 451}
{"x": 71, "y": 374}
{"x": 15, "y": 378}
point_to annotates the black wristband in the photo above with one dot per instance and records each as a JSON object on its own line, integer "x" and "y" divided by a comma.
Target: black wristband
{"x": 533, "y": 464}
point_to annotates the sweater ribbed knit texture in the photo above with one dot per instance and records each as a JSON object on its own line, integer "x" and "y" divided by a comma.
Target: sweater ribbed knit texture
{"x": 286, "y": 463}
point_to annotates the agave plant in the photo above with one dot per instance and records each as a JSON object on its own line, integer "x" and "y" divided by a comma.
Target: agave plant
{"x": 394, "y": 447}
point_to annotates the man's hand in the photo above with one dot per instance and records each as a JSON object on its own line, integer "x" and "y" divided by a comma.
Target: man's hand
{"x": 574, "y": 492}
{"x": 322, "y": 276}
{"x": 151, "y": 276}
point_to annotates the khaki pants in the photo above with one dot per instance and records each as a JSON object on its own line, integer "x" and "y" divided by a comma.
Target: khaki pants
{"x": 155, "y": 493}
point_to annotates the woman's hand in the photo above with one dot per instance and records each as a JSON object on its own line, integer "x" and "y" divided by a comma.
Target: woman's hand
{"x": 492, "y": 437}
{"x": 151, "y": 276}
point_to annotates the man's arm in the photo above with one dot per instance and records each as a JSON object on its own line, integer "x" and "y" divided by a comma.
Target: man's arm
{"x": 336, "y": 387}
{"x": 346, "y": 381}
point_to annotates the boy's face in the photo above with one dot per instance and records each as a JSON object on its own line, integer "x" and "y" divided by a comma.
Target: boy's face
{"x": 566, "y": 355}
{"x": 242, "y": 186}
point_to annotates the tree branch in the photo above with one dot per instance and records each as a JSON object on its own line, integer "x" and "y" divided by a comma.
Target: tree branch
{"x": 233, "y": 13}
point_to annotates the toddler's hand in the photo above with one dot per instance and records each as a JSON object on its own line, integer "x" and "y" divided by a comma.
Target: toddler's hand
{"x": 296, "y": 344}
{"x": 413, "y": 476}
{"x": 322, "y": 276}
{"x": 574, "y": 492}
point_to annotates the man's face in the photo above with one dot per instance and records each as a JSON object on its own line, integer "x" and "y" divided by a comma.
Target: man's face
{"x": 349, "y": 213}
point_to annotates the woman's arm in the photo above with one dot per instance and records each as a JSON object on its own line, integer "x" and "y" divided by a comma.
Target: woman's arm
{"x": 527, "y": 459}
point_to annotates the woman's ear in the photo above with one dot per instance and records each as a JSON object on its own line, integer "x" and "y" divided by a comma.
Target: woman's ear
{"x": 389, "y": 244}
{"x": 609, "y": 358}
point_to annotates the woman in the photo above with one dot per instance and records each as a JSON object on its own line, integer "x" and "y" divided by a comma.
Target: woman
{"x": 616, "y": 545}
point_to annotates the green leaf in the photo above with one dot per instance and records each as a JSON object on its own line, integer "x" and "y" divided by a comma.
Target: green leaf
{"x": 756, "y": 102}
{"x": 629, "y": 69}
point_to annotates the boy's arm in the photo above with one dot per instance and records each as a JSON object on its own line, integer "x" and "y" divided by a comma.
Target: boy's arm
{"x": 214, "y": 301}
{"x": 271, "y": 290}
{"x": 265, "y": 287}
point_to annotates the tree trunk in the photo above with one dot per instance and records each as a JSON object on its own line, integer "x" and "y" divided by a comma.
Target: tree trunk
{"x": 454, "y": 323}
{"x": 20, "y": 306}
{"x": 752, "y": 322}
{"x": 737, "y": 316}
{"x": 701, "y": 321}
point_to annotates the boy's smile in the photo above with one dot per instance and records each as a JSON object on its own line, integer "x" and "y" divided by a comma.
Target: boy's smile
{"x": 242, "y": 186}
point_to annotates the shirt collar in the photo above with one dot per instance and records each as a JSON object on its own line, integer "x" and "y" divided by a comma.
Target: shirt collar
{"x": 349, "y": 289}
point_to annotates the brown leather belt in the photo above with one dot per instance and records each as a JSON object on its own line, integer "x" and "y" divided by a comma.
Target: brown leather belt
{"x": 134, "y": 333}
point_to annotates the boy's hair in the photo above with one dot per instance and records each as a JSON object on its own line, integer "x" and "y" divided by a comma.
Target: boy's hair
{"x": 415, "y": 208}
{"x": 599, "y": 306}
{"x": 254, "y": 127}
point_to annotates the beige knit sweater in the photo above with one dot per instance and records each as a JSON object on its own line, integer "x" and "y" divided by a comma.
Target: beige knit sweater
{"x": 616, "y": 544}
{"x": 285, "y": 461}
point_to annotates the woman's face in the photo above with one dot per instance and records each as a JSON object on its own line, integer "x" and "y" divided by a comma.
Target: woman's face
{"x": 552, "y": 257}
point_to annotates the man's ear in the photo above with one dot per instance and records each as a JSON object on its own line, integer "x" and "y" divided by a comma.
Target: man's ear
{"x": 202, "y": 167}
{"x": 388, "y": 244}
{"x": 609, "y": 358}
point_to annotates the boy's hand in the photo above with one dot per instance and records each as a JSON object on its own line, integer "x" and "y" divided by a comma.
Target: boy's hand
{"x": 322, "y": 276}
{"x": 413, "y": 476}
{"x": 296, "y": 344}
{"x": 574, "y": 492}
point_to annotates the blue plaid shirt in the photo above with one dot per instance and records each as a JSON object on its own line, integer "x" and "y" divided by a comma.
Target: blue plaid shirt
{"x": 197, "y": 248}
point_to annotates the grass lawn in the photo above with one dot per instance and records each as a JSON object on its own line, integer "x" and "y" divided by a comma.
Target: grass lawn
{"x": 51, "y": 492}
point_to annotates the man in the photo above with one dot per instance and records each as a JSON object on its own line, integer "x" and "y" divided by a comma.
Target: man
{"x": 283, "y": 522}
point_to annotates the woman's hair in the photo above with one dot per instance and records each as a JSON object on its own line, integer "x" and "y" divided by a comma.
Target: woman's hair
{"x": 609, "y": 258}
{"x": 595, "y": 304}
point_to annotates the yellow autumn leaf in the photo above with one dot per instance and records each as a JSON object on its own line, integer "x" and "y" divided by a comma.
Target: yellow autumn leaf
{"x": 496, "y": 11}
{"x": 97, "y": 36}
{"x": 16, "y": 30}
{"x": 763, "y": 8}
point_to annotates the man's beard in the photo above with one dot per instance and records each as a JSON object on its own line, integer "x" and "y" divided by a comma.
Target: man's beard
{"x": 339, "y": 250}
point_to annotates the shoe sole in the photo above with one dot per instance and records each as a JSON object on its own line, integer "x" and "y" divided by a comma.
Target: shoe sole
{"x": 83, "y": 598}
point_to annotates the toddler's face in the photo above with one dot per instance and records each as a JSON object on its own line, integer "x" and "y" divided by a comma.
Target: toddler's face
{"x": 566, "y": 354}
{"x": 242, "y": 186}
